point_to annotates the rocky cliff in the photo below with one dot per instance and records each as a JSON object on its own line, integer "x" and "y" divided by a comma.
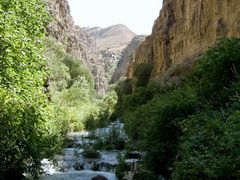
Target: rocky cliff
{"x": 110, "y": 42}
{"x": 76, "y": 40}
{"x": 184, "y": 30}
{"x": 127, "y": 55}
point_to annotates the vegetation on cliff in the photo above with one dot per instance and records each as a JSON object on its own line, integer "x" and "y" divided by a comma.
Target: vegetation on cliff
{"x": 71, "y": 85}
{"x": 190, "y": 131}
{"x": 41, "y": 98}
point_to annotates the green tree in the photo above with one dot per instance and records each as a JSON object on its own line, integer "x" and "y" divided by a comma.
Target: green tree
{"x": 25, "y": 134}
{"x": 191, "y": 131}
{"x": 142, "y": 73}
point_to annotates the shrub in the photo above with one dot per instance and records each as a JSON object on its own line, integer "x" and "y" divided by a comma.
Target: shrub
{"x": 191, "y": 131}
{"x": 216, "y": 70}
{"x": 27, "y": 131}
{"x": 142, "y": 73}
{"x": 148, "y": 175}
{"x": 209, "y": 147}
{"x": 71, "y": 88}
{"x": 114, "y": 139}
{"x": 155, "y": 126}
{"x": 122, "y": 168}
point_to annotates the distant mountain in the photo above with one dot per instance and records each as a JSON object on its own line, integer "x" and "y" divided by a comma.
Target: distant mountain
{"x": 110, "y": 42}
{"x": 114, "y": 38}
{"x": 93, "y": 32}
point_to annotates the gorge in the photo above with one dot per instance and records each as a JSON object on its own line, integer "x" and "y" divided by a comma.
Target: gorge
{"x": 183, "y": 31}
{"x": 104, "y": 103}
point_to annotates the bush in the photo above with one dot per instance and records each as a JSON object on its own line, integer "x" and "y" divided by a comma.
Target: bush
{"x": 114, "y": 139}
{"x": 191, "y": 130}
{"x": 71, "y": 88}
{"x": 148, "y": 175}
{"x": 157, "y": 128}
{"x": 90, "y": 123}
{"x": 216, "y": 70}
{"x": 142, "y": 73}
{"x": 27, "y": 132}
{"x": 122, "y": 168}
{"x": 209, "y": 147}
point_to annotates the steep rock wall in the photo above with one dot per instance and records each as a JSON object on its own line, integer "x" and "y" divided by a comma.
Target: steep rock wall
{"x": 127, "y": 55}
{"x": 76, "y": 40}
{"x": 110, "y": 42}
{"x": 184, "y": 30}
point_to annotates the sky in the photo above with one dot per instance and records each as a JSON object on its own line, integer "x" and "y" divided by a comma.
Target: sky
{"x": 138, "y": 15}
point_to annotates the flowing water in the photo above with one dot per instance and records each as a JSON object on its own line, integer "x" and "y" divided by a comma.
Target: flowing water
{"x": 72, "y": 165}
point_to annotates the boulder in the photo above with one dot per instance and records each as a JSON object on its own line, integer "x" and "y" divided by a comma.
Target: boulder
{"x": 99, "y": 177}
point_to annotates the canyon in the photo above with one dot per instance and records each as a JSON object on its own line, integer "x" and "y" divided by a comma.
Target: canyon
{"x": 110, "y": 42}
{"x": 126, "y": 57}
{"x": 99, "y": 49}
{"x": 76, "y": 40}
{"x": 183, "y": 31}
{"x": 105, "y": 103}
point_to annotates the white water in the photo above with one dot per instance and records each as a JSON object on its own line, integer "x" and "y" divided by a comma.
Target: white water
{"x": 71, "y": 165}
{"x": 79, "y": 175}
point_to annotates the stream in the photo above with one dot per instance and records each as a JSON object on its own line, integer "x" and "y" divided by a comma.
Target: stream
{"x": 72, "y": 164}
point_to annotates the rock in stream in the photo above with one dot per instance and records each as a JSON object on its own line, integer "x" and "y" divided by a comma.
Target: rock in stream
{"x": 72, "y": 165}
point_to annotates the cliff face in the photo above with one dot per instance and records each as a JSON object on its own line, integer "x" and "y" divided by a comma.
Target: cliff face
{"x": 184, "y": 30}
{"x": 76, "y": 40}
{"x": 127, "y": 55}
{"x": 110, "y": 42}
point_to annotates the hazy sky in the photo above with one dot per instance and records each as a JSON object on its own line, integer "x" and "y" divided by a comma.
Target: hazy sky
{"x": 138, "y": 15}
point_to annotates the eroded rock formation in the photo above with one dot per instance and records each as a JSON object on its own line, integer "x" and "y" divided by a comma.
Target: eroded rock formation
{"x": 76, "y": 40}
{"x": 110, "y": 42}
{"x": 127, "y": 55}
{"x": 184, "y": 30}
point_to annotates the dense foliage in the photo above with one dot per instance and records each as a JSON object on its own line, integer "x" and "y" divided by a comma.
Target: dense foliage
{"x": 191, "y": 131}
{"x": 26, "y": 132}
{"x": 142, "y": 74}
{"x": 77, "y": 105}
